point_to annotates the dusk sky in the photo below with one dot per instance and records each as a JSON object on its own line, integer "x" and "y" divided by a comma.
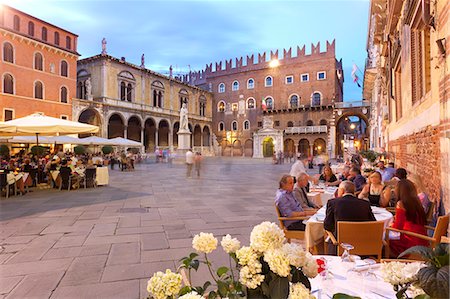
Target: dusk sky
{"x": 194, "y": 33}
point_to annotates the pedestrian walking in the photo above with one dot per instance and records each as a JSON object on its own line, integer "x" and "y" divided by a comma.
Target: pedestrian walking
{"x": 189, "y": 162}
{"x": 198, "y": 163}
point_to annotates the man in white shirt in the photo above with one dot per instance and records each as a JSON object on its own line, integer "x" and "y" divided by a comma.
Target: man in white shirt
{"x": 189, "y": 162}
{"x": 299, "y": 166}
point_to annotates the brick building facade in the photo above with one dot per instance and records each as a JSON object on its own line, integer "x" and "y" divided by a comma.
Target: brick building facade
{"x": 408, "y": 83}
{"x": 298, "y": 92}
{"x": 38, "y": 66}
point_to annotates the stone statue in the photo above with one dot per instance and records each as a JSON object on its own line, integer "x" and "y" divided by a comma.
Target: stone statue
{"x": 170, "y": 72}
{"x": 184, "y": 118}
{"x": 104, "y": 46}
{"x": 88, "y": 86}
{"x": 143, "y": 60}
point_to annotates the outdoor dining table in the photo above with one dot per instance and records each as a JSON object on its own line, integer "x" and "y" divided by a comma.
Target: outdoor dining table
{"x": 102, "y": 176}
{"x": 320, "y": 197}
{"x": 314, "y": 231}
{"x": 342, "y": 278}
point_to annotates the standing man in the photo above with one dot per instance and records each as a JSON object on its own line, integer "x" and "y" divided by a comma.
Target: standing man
{"x": 189, "y": 162}
{"x": 299, "y": 166}
{"x": 198, "y": 163}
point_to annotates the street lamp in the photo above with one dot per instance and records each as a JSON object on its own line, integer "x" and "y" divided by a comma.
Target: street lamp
{"x": 274, "y": 63}
{"x": 352, "y": 126}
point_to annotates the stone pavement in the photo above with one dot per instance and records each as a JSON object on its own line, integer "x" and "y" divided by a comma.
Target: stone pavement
{"x": 107, "y": 242}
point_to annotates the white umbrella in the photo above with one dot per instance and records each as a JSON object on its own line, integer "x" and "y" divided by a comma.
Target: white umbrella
{"x": 40, "y": 124}
{"x": 125, "y": 142}
{"x": 95, "y": 140}
{"x": 28, "y": 139}
{"x": 64, "y": 140}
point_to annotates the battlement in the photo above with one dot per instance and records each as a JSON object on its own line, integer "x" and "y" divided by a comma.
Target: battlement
{"x": 228, "y": 67}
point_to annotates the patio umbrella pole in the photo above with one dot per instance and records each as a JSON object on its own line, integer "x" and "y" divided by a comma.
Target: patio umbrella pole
{"x": 37, "y": 139}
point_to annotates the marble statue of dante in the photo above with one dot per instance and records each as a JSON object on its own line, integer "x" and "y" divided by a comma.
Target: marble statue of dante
{"x": 184, "y": 117}
{"x": 88, "y": 85}
{"x": 104, "y": 46}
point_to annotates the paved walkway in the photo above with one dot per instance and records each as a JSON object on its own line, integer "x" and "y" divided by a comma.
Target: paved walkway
{"x": 107, "y": 242}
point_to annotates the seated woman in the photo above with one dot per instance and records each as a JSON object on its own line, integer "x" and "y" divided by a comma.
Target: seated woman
{"x": 328, "y": 177}
{"x": 376, "y": 192}
{"x": 423, "y": 197}
{"x": 409, "y": 216}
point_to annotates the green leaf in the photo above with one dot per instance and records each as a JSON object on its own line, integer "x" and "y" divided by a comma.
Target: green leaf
{"x": 299, "y": 276}
{"x": 184, "y": 258}
{"x": 206, "y": 285}
{"x": 403, "y": 290}
{"x": 265, "y": 289}
{"x": 222, "y": 288}
{"x": 279, "y": 288}
{"x": 185, "y": 290}
{"x": 195, "y": 264}
{"x": 344, "y": 296}
{"x": 423, "y": 296}
{"x": 442, "y": 249}
{"x": 425, "y": 252}
{"x": 221, "y": 271}
{"x": 193, "y": 255}
{"x": 212, "y": 295}
{"x": 199, "y": 290}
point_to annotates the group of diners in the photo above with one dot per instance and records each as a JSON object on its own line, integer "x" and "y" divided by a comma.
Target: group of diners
{"x": 386, "y": 187}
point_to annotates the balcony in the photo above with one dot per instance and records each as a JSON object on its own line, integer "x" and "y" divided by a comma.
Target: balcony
{"x": 354, "y": 104}
{"x": 306, "y": 130}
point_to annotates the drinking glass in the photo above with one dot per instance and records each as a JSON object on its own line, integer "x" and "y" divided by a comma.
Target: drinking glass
{"x": 346, "y": 257}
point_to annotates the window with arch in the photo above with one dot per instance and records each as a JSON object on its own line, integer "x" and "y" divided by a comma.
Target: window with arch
{"x": 221, "y": 106}
{"x": 293, "y": 101}
{"x": 8, "y": 52}
{"x": 8, "y": 84}
{"x": 269, "y": 103}
{"x": 44, "y": 33}
{"x": 251, "y": 103}
{"x": 30, "y": 28}
{"x": 123, "y": 91}
{"x": 290, "y": 124}
{"x": 38, "y": 62}
{"x": 56, "y": 37}
{"x": 68, "y": 42}
{"x": 323, "y": 122}
{"x": 64, "y": 68}
{"x": 315, "y": 100}
{"x": 126, "y": 83}
{"x": 82, "y": 76}
{"x": 268, "y": 81}
{"x": 247, "y": 125}
{"x": 16, "y": 23}
{"x": 309, "y": 123}
{"x": 129, "y": 92}
{"x": 221, "y": 126}
{"x": 38, "y": 90}
{"x": 234, "y": 125}
{"x": 158, "y": 93}
{"x": 250, "y": 83}
{"x": 202, "y": 106}
{"x": 221, "y": 87}
{"x": 184, "y": 98}
{"x": 235, "y": 86}
{"x": 63, "y": 94}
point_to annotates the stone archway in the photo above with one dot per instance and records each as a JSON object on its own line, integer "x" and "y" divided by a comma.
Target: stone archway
{"x": 289, "y": 147}
{"x": 226, "y": 148}
{"x": 268, "y": 147}
{"x": 197, "y": 135}
{"x": 352, "y": 133}
{"x": 237, "y": 148}
{"x": 150, "y": 134}
{"x": 92, "y": 117}
{"x": 319, "y": 146}
{"x": 163, "y": 133}
{"x": 303, "y": 147}
{"x": 116, "y": 126}
{"x": 134, "y": 129}
{"x": 248, "y": 148}
{"x": 206, "y": 136}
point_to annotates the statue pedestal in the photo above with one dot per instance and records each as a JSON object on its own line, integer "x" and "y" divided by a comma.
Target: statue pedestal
{"x": 184, "y": 139}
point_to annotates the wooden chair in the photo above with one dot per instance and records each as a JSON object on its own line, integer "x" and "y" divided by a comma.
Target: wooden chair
{"x": 366, "y": 237}
{"x": 439, "y": 231}
{"x": 291, "y": 234}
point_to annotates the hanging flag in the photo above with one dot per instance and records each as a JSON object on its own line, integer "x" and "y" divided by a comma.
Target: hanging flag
{"x": 355, "y": 76}
{"x": 263, "y": 104}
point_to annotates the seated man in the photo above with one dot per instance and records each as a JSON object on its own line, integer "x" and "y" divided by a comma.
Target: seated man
{"x": 288, "y": 205}
{"x": 357, "y": 178}
{"x": 346, "y": 207}
{"x": 386, "y": 173}
{"x": 301, "y": 190}
{"x": 345, "y": 174}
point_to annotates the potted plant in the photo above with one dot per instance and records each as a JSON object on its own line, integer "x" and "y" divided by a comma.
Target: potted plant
{"x": 79, "y": 149}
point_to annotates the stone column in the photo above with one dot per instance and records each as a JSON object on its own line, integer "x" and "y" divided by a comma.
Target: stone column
{"x": 311, "y": 148}
{"x": 332, "y": 142}
{"x": 201, "y": 142}
{"x": 142, "y": 137}
{"x": 125, "y": 133}
{"x": 104, "y": 77}
{"x": 171, "y": 140}
{"x": 156, "y": 138}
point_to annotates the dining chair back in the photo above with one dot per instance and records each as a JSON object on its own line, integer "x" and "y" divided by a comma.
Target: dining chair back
{"x": 366, "y": 237}
{"x": 290, "y": 234}
{"x": 90, "y": 177}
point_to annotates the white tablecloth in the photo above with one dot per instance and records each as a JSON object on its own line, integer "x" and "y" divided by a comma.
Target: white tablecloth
{"x": 322, "y": 197}
{"x": 102, "y": 176}
{"x": 360, "y": 284}
{"x": 314, "y": 231}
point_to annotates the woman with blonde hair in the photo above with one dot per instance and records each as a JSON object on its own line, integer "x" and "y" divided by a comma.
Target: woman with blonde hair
{"x": 423, "y": 197}
{"x": 375, "y": 191}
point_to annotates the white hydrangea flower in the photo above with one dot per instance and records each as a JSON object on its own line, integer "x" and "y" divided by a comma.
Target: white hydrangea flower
{"x": 230, "y": 245}
{"x": 246, "y": 255}
{"x": 278, "y": 262}
{"x": 191, "y": 295}
{"x": 204, "y": 242}
{"x": 265, "y": 236}
{"x": 163, "y": 285}
{"x": 414, "y": 291}
{"x": 295, "y": 254}
{"x": 299, "y": 291}
{"x": 397, "y": 273}
{"x": 310, "y": 267}
{"x": 249, "y": 278}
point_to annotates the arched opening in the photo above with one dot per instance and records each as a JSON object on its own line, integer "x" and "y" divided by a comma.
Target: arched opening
{"x": 268, "y": 147}
{"x": 149, "y": 134}
{"x": 352, "y": 133}
{"x": 134, "y": 129}
{"x": 226, "y": 148}
{"x": 237, "y": 148}
{"x": 176, "y": 127}
{"x": 248, "y": 148}
{"x": 197, "y": 135}
{"x": 115, "y": 126}
{"x": 206, "y": 136}
{"x": 323, "y": 122}
{"x": 319, "y": 147}
{"x": 289, "y": 147}
{"x": 163, "y": 133}
{"x": 309, "y": 123}
{"x": 303, "y": 147}
{"x": 290, "y": 124}
{"x": 92, "y": 117}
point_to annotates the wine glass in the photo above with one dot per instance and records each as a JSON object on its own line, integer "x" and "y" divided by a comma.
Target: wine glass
{"x": 346, "y": 257}
{"x": 370, "y": 262}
